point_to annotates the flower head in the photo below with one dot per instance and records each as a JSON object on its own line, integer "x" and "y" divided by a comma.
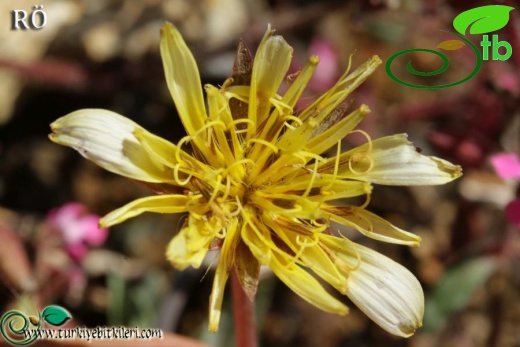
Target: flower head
{"x": 254, "y": 178}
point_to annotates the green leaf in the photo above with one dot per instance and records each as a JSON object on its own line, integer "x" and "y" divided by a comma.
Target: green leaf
{"x": 483, "y": 19}
{"x": 455, "y": 289}
{"x": 56, "y": 315}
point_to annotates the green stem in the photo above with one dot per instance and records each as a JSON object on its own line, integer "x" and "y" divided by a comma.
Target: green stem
{"x": 244, "y": 315}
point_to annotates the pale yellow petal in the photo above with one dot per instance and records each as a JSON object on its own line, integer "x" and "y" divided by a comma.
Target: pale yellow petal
{"x": 225, "y": 264}
{"x": 107, "y": 139}
{"x": 370, "y": 225}
{"x": 183, "y": 79}
{"x": 384, "y": 290}
{"x": 157, "y": 204}
{"x": 393, "y": 160}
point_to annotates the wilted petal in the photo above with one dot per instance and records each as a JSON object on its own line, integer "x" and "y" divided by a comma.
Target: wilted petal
{"x": 157, "y": 204}
{"x": 393, "y": 160}
{"x": 384, "y": 290}
{"x": 183, "y": 79}
{"x": 107, "y": 139}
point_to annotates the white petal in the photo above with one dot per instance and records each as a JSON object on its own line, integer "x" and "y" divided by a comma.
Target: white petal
{"x": 107, "y": 139}
{"x": 384, "y": 290}
{"x": 395, "y": 162}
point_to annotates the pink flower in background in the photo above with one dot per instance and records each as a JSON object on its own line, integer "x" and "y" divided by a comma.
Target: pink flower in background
{"x": 507, "y": 166}
{"x": 78, "y": 228}
{"x": 326, "y": 73}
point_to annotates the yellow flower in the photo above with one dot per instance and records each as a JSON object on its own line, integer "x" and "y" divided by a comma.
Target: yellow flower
{"x": 255, "y": 180}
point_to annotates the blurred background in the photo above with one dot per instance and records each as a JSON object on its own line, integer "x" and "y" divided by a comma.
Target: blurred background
{"x": 105, "y": 54}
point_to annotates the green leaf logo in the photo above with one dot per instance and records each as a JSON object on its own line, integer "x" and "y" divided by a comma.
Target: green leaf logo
{"x": 56, "y": 315}
{"x": 483, "y": 19}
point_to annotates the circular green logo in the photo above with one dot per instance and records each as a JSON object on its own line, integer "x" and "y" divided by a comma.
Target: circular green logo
{"x": 10, "y": 326}
{"x": 445, "y": 65}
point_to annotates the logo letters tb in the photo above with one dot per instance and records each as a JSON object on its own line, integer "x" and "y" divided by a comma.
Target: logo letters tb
{"x": 495, "y": 45}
